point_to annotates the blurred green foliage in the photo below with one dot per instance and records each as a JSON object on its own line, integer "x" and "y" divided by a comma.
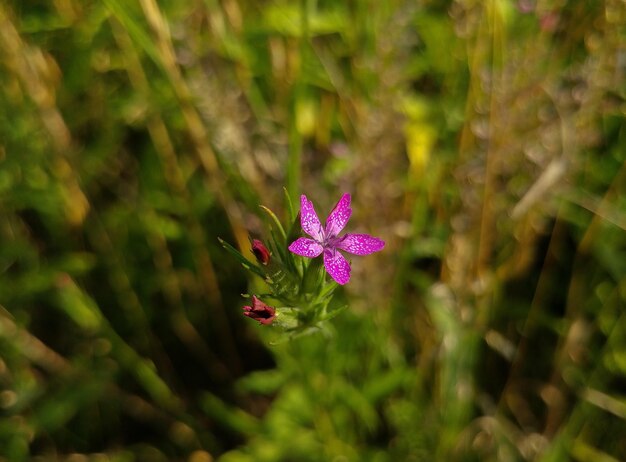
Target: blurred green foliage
{"x": 484, "y": 141}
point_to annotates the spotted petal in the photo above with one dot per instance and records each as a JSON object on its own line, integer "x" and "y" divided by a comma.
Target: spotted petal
{"x": 306, "y": 247}
{"x": 339, "y": 216}
{"x": 337, "y": 266}
{"x": 308, "y": 219}
{"x": 360, "y": 244}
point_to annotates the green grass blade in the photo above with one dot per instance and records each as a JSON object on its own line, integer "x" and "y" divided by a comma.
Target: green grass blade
{"x": 243, "y": 260}
{"x": 276, "y": 222}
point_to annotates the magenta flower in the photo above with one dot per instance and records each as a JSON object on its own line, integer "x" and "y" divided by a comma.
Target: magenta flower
{"x": 260, "y": 252}
{"x": 260, "y": 311}
{"x": 326, "y": 239}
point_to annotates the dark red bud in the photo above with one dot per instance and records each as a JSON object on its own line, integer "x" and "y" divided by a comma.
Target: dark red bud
{"x": 259, "y": 311}
{"x": 260, "y": 252}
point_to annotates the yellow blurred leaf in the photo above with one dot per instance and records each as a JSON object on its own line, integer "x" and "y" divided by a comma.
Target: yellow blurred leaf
{"x": 306, "y": 117}
{"x": 420, "y": 136}
{"x": 420, "y": 140}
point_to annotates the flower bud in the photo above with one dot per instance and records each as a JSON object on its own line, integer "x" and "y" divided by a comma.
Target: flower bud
{"x": 260, "y": 252}
{"x": 259, "y": 311}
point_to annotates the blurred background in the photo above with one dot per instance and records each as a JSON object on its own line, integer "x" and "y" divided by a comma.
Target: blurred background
{"x": 483, "y": 140}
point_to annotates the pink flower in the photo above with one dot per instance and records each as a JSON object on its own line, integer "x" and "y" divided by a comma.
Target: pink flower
{"x": 328, "y": 241}
{"x": 259, "y": 311}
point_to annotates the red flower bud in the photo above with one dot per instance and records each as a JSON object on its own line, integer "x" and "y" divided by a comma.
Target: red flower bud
{"x": 260, "y": 252}
{"x": 259, "y": 311}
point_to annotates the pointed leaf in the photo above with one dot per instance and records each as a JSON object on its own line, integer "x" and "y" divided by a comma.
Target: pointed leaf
{"x": 276, "y": 221}
{"x": 290, "y": 210}
{"x": 243, "y": 260}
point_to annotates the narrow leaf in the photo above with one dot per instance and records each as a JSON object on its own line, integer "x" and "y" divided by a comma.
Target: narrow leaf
{"x": 276, "y": 221}
{"x": 290, "y": 210}
{"x": 243, "y": 260}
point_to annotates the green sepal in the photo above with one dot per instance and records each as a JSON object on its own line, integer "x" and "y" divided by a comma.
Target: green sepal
{"x": 331, "y": 314}
{"x": 286, "y": 318}
{"x": 313, "y": 276}
{"x": 294, "y": 233}
{"x": 281, "y": 280}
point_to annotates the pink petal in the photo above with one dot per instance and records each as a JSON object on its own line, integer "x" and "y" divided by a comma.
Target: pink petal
{"x": 339, "y": 216}
{"x": 337, "y": 266}
{"x": 360, "y": 244}
{"x": 308, "y": 219}
{"x": 306, "y": 247}
{"x": 260, "y": 311}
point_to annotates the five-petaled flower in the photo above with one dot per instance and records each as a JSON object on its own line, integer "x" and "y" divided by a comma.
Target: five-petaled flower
{"x": 259, "y": 311}
{"x": 326, "y": 239}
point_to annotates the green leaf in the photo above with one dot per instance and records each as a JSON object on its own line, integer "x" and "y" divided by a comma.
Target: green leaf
{"x": 81, "y": 308}
{"x": 230, "y": 417}
{"x": 262, "y": 382}
{"x": 243, "y": 260}
{"x": 276, "y": 222}
{"x": 135, "y": 29}
{"x": 290, "y": 210}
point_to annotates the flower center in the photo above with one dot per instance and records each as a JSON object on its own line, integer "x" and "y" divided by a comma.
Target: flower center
{"x": 331, "y": 241}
